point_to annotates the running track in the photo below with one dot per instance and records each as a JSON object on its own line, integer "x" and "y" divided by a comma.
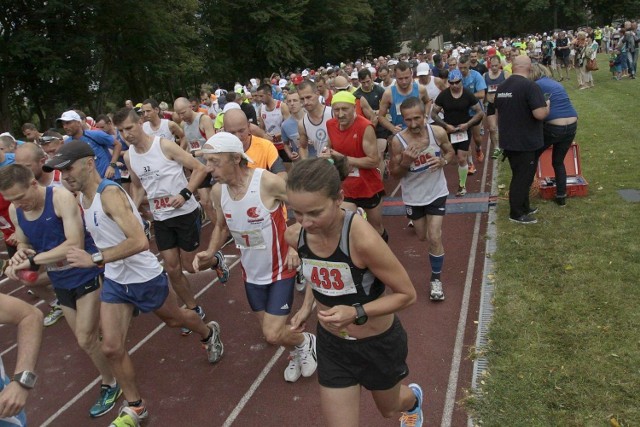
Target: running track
{"x": 246, "y": 388}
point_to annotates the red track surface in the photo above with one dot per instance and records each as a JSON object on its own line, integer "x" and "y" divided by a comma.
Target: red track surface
{"x": 182, "y": 388}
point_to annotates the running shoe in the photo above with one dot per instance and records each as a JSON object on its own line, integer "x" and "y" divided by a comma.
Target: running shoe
{"x": 308, "y": 358}
{"x": 480, "y": 155}
{"x": 221, "y": 268}
{"x": 413, "y": 418}
{"x": 53, "y": 316}
{"x": 106, "y": 401}
{"x": 533, "y": 211}
{"x": 130, "y": 416}
{"x": 524, "y": 219}
{"x": 436, "y": 292}
{"x": 200, "y": 312}
{"x": 300, "y": 282}
{"x": 461, "y": 191}
{"x": 410, "y": 224}
{"x": 214, "y": 346}
{"x": 472, "y": 169}
{"x": 293, "y": 370}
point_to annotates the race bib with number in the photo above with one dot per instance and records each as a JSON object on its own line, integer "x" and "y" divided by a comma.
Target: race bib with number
{"x": 194, "y": 145}
{"x": 251, "y": 239}
{"x": 355, "y": 172}
{"x": 459, "y": 137}
{"x": 493, "y": 88}
{"x": 420, "y": 163}
{"x": 329, "y": 278}
{"x": 58, "y": 266}
{"x": 160, "y": 204}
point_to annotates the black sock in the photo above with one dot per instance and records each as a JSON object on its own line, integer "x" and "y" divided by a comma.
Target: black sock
{"x": 435, "y": 276}
{"x": 385, "y": 235}
{"x": 136, "y": 404}
{"x": 208, "y": 336}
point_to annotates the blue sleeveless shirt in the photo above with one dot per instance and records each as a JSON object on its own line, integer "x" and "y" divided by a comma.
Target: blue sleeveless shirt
{"x": 396, "y": 100}
{"x": 46, "y": 233}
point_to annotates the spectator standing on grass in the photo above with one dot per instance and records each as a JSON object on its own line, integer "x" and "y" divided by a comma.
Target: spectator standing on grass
{"x": 559, "y": 127}
{"x": 521, "y": 107}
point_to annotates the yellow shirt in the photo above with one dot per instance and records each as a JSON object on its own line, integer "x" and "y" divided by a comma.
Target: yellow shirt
{"x": 262, "y": 152}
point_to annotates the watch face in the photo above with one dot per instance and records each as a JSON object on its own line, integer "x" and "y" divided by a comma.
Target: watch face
{"x": 26, "y": 378}
{"x": 97, "y": 258}
{"x": 361, "y": 320}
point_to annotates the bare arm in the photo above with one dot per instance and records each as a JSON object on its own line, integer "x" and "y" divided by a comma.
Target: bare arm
{"x": 476, "y": 119}
{"x": 198, "y": 170}
{"x": 178, "y": 133}
{"x": 28, "y": 319}
{"x": 219, "y": 234}
{"x": 206, "y": 125}
{"x": 542, "y": 112}
{"x": 303, "y": 141}
{"x": 137, "y": 190}
{"x": 370, "y": 147}
{"x": 385, "y": 103}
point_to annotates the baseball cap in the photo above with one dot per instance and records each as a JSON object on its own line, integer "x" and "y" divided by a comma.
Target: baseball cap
{"x": 67, "y": 154}
{"x": 343, "y": 96}
{"x": 7, "y": 134}
{"x": 297, "y": 80}
{"x": 423, "y": 69}
{"x": 354, "y": 75}
{"x": 225, "y": 142}
{"x": 455, "y": 75}
{"x": 305, "y": 73}
{"x": 282, "y": 83}
{"x": 69, "y": 116}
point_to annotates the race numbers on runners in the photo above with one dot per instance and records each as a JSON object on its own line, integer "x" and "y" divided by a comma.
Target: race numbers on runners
{"x": 459, "y": 137}
{"x": 160, "y": 204}
{"x": 249, "y": 239}
{"x": 194, "y": 145}
{"x": 329, "y": 278}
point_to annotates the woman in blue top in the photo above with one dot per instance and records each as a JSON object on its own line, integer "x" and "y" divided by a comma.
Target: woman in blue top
{"x": 560, "y": 126}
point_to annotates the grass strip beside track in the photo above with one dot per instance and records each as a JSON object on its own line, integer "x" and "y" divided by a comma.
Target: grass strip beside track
{"x": 563, "y": 343}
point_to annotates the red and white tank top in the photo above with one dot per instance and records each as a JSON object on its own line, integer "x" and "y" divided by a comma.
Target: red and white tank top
{"x": 259, "y": 234}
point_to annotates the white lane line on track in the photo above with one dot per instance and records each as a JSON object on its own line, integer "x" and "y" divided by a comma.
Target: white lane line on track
{"x": 452, "y": 386}
{"x": 245, "y": 399}
{"x": 91, "y": 385}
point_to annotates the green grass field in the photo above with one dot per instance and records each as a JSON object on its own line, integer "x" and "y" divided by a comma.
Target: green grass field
{"x": 565, "y": 339}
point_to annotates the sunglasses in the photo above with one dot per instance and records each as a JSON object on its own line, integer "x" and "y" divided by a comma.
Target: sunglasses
{"x": 455, "y": 83}
{"x": 47, "y": 139}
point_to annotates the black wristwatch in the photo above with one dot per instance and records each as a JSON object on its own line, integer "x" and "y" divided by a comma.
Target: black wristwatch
{"x": 26, "y": 379}
{"x": 114, "y": 165}
{"x": 32, "y": 264}
{"x": 361, "y": 315}
{"x": 186, "y": 193}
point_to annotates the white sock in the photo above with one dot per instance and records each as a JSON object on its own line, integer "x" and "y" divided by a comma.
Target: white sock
{"x": 305, "y": 342}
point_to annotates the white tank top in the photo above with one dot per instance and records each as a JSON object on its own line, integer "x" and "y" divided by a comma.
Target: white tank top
{"x": 259, "y": 234}
{"x": 138, "y": 268}
{"x": 161, "y": 179}
{"x": 195, "y": 139}
{"x": 317, "y": 133}
{"x": 163, "y": 130}
{"x": 433, "y": 91}
{"x": 272, "y": 119}
{"x": 420, "y": 186}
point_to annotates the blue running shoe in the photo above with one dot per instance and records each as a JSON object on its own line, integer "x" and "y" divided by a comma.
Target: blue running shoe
{"x": 413, "y": 418}
{"x": 221, "y": 268}
{"x": 106, "y": 401}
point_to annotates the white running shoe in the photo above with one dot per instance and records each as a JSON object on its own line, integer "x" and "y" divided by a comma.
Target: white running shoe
{"x": 308, "y": 358}
{"x": 214, "y": 346}
{"x": 437, "y": 294}
{"x": 293, "y": 370}
{"x": 300, "y": 282}
{"x": 53, "y": 316}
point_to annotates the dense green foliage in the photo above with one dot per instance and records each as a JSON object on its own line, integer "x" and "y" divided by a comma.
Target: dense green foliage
{"x": 92, "y": 55}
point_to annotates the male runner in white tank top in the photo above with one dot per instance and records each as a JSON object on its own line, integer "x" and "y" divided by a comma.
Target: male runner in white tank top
{"x": 312, "y": 129}
{"x": 156, "y": 126}
{"x": 157, "y": 166}
{"x": 418, "y": 155}
{"x": 250, "y": 203}
{"x": 198, "y": 128}
{"x": 134, "y": 279}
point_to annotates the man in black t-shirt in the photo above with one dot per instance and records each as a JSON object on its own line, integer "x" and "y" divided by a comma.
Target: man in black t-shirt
{"x": 563, "y": 51}
{"x": 455, "y": 103}
{"x": 372, "y": 93}
{"x": 521, "y": 107}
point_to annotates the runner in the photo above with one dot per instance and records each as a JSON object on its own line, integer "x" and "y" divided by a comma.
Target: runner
{"x": 250, "y": 202}
{"x": 48, "y": 223}
{"x": 418, "y": 156}
{"x": 156, "y": 126}
{"x": 134, "y": 279}
{"x": 493, "y": 78}
{"x": 312, "y": 130}
{"x": 361, "y": 343}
